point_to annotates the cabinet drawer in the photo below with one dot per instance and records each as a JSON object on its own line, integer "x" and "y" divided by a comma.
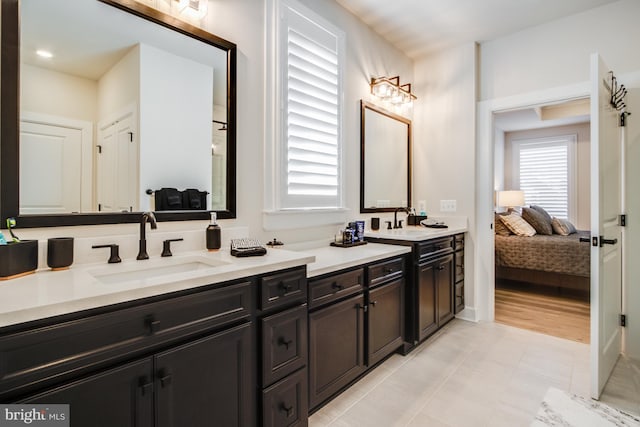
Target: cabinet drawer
{"x": 459, "y": 266}
{"x": 334, "y": 287}
{"x": 459, "y": 297}
{"x": 458, "y": 242}
{"x": 284, "y": 344}
{"x": 283, "y": 288}
{"x": 285, "y": 404}
{"x": 435, "y": 247}
{"x": 59, "y": 350}
{"x": 385, "y": 271}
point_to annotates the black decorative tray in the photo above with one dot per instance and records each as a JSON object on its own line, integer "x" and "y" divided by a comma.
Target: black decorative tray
{"x": 347, "y": 245}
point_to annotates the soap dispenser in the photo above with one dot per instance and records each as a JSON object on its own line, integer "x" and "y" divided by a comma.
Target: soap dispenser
{"x": 214, "y": 238}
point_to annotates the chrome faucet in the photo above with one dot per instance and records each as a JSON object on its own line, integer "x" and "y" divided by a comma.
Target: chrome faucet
{"x": 146, "y": 217}
{"x": 397, "y": 224}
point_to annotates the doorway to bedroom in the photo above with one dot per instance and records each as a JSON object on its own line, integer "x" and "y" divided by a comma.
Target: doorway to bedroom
{"x": 542, "y": 211}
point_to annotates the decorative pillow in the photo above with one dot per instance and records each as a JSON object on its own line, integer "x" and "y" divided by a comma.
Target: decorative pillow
{"x": 518, "y": 225}
{"x": 537, "y": 221}
{"x": 499, "y": 226}
{"x": 542, "y": 211}
{"x": 562, "y": 226}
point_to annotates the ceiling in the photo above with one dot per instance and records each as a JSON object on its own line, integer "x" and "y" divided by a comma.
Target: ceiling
{"x": 420, "y": 27}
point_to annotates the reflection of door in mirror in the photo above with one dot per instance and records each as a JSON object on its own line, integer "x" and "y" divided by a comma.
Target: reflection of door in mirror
{"x": 148, "y": 94}
{"x": 117, "y": 165}
{"x": 385, "y": 164}
{"x": 53, "y": 147}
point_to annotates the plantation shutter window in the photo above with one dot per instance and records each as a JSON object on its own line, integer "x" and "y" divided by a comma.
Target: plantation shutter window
{"x": 311, "y": 111}
{"x": 544, "y": 170}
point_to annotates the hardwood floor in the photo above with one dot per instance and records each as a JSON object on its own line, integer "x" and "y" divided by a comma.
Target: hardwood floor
{"x": 544, "y": 310}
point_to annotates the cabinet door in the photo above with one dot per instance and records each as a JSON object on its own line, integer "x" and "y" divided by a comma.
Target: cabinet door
{"x": 445, "y": 289}
{"x": 207, "y": 382}
{"x": 386, "y": 320}
{"x": 335, "y": 348}
{"x": 284, "y": 344}
{"x": 118, "y": 397}
{"x": 427, "y": 302}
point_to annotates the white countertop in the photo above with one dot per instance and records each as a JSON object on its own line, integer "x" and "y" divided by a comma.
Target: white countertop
{"x": 331, "y": 258}
{"x": 416, "y": 233}
{"x": 51, "y": 293}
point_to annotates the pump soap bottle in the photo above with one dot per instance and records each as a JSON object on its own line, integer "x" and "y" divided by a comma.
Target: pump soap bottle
{"x": 214, "y": 239}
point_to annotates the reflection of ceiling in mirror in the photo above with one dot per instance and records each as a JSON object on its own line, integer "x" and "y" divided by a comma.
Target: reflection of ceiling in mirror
{"x": 88, "y": 37}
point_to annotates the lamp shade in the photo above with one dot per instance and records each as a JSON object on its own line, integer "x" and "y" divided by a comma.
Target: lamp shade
{"x": 510, "y": 199}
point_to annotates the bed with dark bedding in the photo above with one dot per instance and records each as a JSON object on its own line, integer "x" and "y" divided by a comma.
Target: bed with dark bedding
{"x": 553, "y": 260}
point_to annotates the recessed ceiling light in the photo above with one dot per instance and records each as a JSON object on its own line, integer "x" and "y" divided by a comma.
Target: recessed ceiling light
{"x": 44, "y": 54}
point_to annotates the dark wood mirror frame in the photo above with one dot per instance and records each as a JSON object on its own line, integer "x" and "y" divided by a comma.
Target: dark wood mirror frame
{"x": 10, "y": 117}
{"x": 364, "y": 105}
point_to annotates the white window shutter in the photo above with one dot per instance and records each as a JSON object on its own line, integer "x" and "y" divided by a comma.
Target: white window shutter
{"x": 311, "y": 113}
{"x": 544, "y": 171}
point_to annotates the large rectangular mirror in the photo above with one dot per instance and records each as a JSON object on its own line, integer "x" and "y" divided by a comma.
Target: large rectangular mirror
{"x": 103, "y": 106}
{"x": 385, "y": 162}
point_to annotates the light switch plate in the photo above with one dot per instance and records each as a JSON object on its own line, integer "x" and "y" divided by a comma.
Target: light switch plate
{"x": 448, "y": 206}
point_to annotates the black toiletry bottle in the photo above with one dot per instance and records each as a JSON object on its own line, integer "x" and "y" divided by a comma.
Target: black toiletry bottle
{"x": 214, "y": 238}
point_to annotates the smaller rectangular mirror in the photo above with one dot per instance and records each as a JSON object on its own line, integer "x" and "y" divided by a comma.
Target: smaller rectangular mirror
{"x": 385, "y": 160}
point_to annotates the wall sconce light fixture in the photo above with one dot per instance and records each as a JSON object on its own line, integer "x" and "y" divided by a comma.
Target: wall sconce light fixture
{"x": 390, "y": 89}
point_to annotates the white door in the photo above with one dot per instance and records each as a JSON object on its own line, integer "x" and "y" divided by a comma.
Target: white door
{"x": 117, "y": 162}
{"x": 606, "y": 206}
{"x": 50, "y": 168}
{"x": 105, "y": 164}
{"x": 126, "y": 177}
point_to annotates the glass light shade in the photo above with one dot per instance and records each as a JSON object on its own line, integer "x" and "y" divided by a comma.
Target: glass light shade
{"x": 510, "y": 199}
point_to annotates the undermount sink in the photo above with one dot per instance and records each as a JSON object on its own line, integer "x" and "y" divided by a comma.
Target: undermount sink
{"x": 155, "y": 269}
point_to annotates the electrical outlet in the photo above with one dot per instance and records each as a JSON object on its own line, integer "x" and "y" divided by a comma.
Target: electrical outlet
{"x": 447, "y": 206}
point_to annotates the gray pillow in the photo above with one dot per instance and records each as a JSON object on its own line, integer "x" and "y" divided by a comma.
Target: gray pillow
{"x": 537, "y": 221}
{"x": 542, "y": 211}
{"x": 562, "y": 226}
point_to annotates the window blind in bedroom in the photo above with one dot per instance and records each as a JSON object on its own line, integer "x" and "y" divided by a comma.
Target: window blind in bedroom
{"x": 544, "y": 170}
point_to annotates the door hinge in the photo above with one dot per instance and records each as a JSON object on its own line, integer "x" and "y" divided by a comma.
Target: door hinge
{"x": 99, "y": 207}
{"x": 130, "y": 136}
{"x": 623, "y": 320}
{"x": 622, "y": 221}
{"x": 99, "y": 149}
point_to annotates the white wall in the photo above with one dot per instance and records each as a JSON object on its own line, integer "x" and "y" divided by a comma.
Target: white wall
{"x": 58, "y": 94}
{"x": 583, "y": 166}
{"x": 534, "y": 60}
{"x": 557, "y": 53}
{"x": 444, "y": 139}
{"x": 119, "y": 87}
{"x": 367, "y": 54}
{"x": 176, "y": 107}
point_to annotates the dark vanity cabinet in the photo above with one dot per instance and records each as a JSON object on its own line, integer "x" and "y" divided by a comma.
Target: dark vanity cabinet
{"x": 435, "y": 288}
{"x": 282, "y": 317}
{"x": 213, "y": 372}
{"x": 356, "y": 319}
{"x": 458, "y": 244}
{"x": 201, "y": 357}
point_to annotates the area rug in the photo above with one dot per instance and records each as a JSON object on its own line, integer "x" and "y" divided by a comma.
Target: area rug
{"x": 567, "y": 410}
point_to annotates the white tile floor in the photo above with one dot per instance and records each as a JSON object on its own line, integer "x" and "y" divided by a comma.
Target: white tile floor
{"x": 472, "y": 375}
